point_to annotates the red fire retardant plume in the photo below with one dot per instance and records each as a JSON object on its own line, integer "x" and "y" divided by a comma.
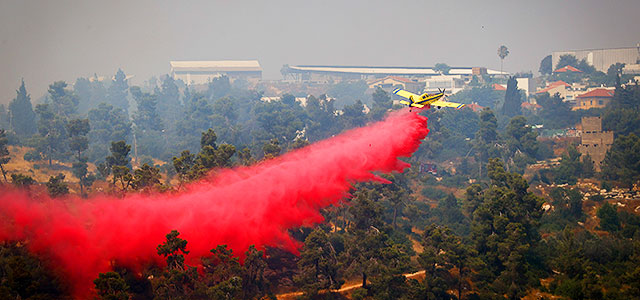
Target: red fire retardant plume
{"x": 238, "y": 207}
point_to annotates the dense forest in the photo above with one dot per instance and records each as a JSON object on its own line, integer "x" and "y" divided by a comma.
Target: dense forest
{"x": 486, "y": 226}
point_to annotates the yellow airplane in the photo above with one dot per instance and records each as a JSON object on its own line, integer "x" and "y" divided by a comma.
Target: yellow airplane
{"x": 425, "y": 100}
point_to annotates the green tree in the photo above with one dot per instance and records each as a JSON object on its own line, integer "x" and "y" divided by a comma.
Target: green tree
{"x": 318, "y": 264}
{"x": 170, "y": 107}
{"x": 24, "y": 276}
{"x": 198, "y": 117}
{"x": 512, "y": 98}
{"x": 221, "y": 266}
{"x": 215, "y": 157}
{"x": 90, "y": 92}
{"x": 255, "y": 283}
{"x": 178, "y": 281}
{"x": 173, "y": 249}
{"x": 245, "y": 157}
{"x": 613, "y": 73}
{"x": 191, "y": 167}
{"x": 56, "y": 186}
{"x": 63, "y": 101}
{"x": 622, "y": 161}
{"x": 486, "y": 138}
{"x": 22, "y": 116}
{"x": 150, "y": 130}
{"x": 118, "y": 91}
{"x": 279, "y": 121}
{"x": 299, "y": 143}
{"x": 22, "y": 181}
{"x": 588, "y": 166}
{"x": 111, "y": 286}
{"x": 484, "y": 95}
{"x": 321, "y": 121}
{"x": 146, "y": 118}
{"x": 443, "y": 252}
{"x": 78, "y": 130}
{"x": 442, "y": 68}
{"x": 522, "y": 147}
{"x": 450, "y": 214}
{"x": 119, "y": 162}
{"x": 556, "y": 113}
{"x": 503, "y": 51}
{"x": 219, "y": 87}
{"x": 546, "y": 66}
{"x": 566, "y": 60}
{"x": 184, "y": 165}
{"x": 108, "y": 123}
{"x": 288, "y": 99}
{"x": 52, "y": 134}
{"x": 146, "y": 177}
{"x": 4, "y": 153}
{"x": 567, "y": 203}
{"x": 504, "y": 230}
{"x": 609, "y": 219}
{"x": 353, "y": 115}
{"x": 380, "y": 105}
{"x": 346, "y": 92}
{"x": 271, "y": 149}
{"x": 225, "y": 116}
{"x": 78, "y": 143}
{"x": 5, "y": 119}
{"x": 369, "y": 252}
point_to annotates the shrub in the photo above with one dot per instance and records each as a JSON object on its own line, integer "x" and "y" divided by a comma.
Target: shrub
{"x": 32, "y": 156}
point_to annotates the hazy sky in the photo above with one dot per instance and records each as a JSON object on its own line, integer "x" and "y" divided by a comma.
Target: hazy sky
{"x": 45, "y": 41}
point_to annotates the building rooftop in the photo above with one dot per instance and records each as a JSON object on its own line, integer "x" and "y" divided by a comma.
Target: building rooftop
{"x": 499, "y": 87}
{"x": 396, "y": 78}
{"x": 553, "y": 85}
{"x": 475, "y": 107}
{"x": 215, "y": 65}
{"x": 567, "y": 69}
{"x": 373, "y": 70}
{"x": 602, "y": 93}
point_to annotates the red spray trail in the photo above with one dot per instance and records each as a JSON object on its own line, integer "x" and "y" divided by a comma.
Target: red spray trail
{"x": 237, "y": 207}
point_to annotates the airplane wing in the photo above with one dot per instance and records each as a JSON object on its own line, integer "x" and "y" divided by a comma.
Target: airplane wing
{"x": 447, "y": 104}
{"x": 405, "y": 94}
{"x": 414, "y": 104}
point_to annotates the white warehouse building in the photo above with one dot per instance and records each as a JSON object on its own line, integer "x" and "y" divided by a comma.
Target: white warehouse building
{"x": 601, "y": 59}
{"x": 201, "y": 72}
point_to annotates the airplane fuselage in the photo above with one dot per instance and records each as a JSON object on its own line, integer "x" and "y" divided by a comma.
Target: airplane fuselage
{"x": 426, "y": 99}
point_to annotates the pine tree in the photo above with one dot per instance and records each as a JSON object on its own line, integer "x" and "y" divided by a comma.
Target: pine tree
{"x": 4, "y": 153}
{"x": 78, "y": 143}
{"x": 56, "y": 186}
{"x": 118, "y": 91}
{"x": 52, "y": 132}
{"x": 119, "y": 162}
{"x": 22, "y": 116}
{"x": 64, "y": 102}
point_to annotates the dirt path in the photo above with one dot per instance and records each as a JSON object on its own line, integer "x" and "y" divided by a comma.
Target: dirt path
{"x": 346, "y": 288}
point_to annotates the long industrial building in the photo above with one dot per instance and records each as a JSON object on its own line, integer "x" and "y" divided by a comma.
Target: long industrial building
{"x": 602, "y": 59}
{"x": 200, "y": 72}
{"x": 308, "y": 73}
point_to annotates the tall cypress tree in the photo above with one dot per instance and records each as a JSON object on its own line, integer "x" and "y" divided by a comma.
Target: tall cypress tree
{"x": 118, "y": 91}
{"x": 512, "y": 100}
{"x": 22, "y": 116}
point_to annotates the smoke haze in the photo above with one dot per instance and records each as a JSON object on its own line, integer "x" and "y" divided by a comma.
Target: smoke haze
{"x": 44, "y": 41}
